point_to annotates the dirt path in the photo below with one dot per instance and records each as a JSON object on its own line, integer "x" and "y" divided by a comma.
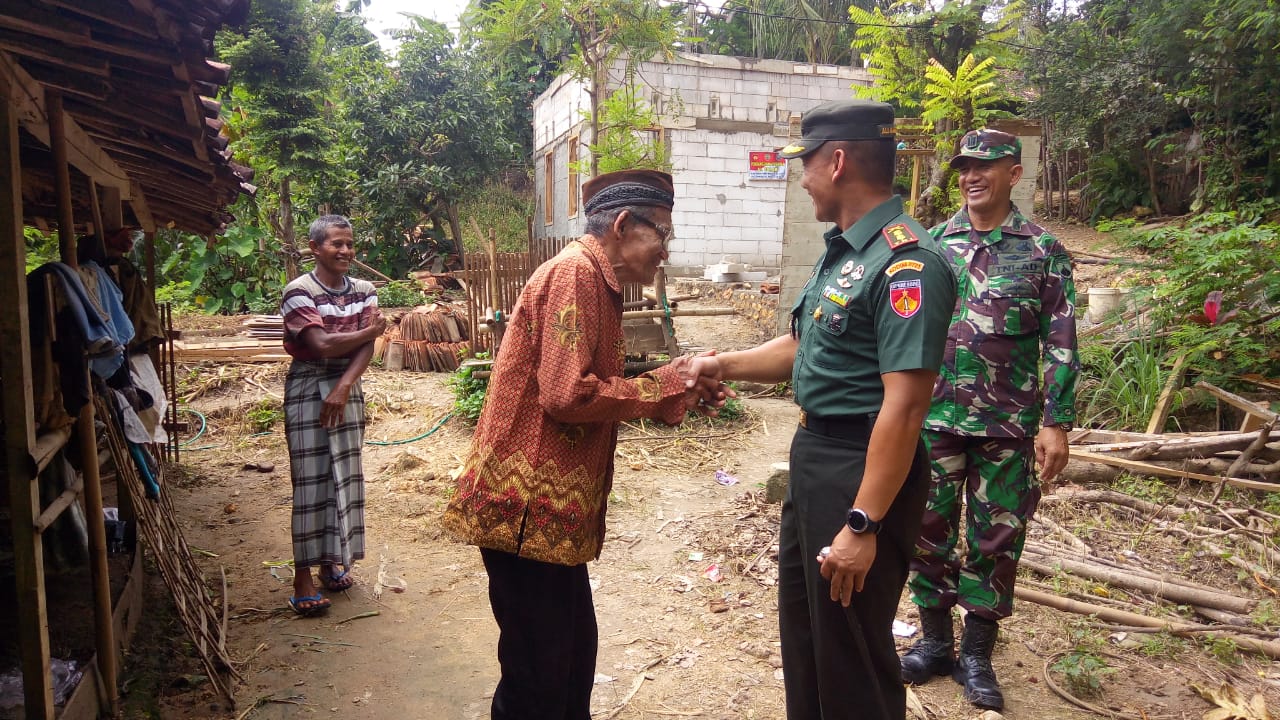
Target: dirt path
{"x": 673, "y": 643}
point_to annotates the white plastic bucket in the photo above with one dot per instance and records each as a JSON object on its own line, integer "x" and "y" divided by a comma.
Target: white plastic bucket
{"x": 1103, "y": 301}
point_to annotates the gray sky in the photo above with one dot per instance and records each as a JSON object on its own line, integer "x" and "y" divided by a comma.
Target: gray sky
{"x": 382, "y": 15}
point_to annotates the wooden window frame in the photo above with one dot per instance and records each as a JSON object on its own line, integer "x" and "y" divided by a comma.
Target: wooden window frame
{"x": 572, "y": 193}
{"x": 549, "y": 191}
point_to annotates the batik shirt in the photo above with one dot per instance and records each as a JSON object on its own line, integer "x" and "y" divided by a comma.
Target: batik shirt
{"x": 536, "y": 480}
{"x": 1011, "y": 349}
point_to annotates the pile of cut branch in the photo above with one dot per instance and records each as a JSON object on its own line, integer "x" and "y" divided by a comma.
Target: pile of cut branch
{"x": 1246, "y": 458}
{"x": 1056, "y": 553}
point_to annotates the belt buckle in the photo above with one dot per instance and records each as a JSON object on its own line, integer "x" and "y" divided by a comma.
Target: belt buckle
{"x": 804, "y": 419}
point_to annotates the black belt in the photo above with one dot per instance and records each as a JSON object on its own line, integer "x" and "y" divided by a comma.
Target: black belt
{"x": 845, "y": 427}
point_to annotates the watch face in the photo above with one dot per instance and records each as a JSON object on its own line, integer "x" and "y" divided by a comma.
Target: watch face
{"x": 858, "y": 521}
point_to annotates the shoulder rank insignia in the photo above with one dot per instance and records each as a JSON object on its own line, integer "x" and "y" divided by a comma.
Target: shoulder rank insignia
{"x": 836, "y": 296}
{"x": 901, "y": 265}
{"x": 899, "y": 235}
{"x": 905, "y": 296}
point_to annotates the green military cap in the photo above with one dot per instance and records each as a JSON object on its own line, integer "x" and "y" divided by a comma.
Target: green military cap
{"x": 841, "y": 120}
{"x": 987, "y": 144}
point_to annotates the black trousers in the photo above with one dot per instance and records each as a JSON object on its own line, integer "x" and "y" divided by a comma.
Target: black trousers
{"x": 841, "y": 663}
{"x": 547, "y": 638}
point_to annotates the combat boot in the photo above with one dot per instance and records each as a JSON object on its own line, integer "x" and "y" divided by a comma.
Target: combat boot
{"x": 931, "y": 655}
{"x": 973, "y": 669}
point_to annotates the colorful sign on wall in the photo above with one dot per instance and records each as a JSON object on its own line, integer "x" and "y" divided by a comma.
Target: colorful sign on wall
{"x": 766, "y": 166}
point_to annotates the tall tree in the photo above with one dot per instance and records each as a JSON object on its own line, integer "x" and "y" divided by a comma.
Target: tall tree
{"x": 277, "y": 94}
{"x": 600, "y": 34}
{"x": 813, "y": 31}
{"x": 915, "y": 40}
{"x": 434, "y": 130}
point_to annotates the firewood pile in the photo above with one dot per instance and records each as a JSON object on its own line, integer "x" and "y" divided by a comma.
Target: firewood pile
{"x": 1243, "y": 458}
{"x": 1126, "y": 591}
{"x": 1106, "y": 574}
{"x": 429, "y": 338}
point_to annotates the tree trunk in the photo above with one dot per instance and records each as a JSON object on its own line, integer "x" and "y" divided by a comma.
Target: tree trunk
{"x": 934, "y": 197}
{"x": 288, "y": 238}
{"x": 455, "y": 227}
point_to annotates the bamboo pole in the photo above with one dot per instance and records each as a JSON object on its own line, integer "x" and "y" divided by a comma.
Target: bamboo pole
{"x": 1152, "y": 469}
{"x": 1269, "y": 648}
{"x": 1161, "y": 414}
{"x": 1174, "y": 592}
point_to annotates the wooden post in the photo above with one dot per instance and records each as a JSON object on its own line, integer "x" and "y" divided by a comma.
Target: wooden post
{"x": 102, "y": 620}
{"x": 106, "y": 646}
{"x": 668, "y": 327}
{"x": 62, "y": 178}
{"x": 95, "y": 205}
{"x": 915, "y": 184}
{"x": 19, "y": 427}
{"x": 112, "y": 211}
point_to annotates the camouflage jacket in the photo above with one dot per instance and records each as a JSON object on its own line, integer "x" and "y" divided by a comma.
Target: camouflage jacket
{"x": 1011, "y": 348}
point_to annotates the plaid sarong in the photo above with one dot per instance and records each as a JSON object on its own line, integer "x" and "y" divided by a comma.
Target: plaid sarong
{"x": 328, "y": 483}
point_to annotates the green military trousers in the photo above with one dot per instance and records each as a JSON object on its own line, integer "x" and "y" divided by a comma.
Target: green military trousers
{"x": 995, "y": 480}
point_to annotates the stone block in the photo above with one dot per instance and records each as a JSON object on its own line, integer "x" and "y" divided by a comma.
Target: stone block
{"x": 775, "y": 487}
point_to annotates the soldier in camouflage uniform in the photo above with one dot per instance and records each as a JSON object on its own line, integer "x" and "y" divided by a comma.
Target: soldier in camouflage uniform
{"x": 1011, "y": 346}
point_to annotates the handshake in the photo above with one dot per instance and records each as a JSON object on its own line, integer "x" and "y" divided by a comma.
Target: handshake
{"x": 705, "y": 392}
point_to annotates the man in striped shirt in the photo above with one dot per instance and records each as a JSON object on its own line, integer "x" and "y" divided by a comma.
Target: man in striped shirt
{"x": 330, "y": 324}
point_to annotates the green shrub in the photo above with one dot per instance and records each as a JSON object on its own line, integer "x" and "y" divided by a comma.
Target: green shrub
{"x": 1083, "y": 671}
{"x": 1119, "y": 385}
{"x": 1236, "y": 253}
{"x": 401, "y": 293}
{"x": 469, "y": 390}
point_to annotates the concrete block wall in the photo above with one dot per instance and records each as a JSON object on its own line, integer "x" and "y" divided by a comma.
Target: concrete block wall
{"x": 802, "y": 245}
{"x": 714, "y": 111}
{"x": 719, "y": 213}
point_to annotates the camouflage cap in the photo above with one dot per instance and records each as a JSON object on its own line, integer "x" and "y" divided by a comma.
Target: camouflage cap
{"x": 987, "y": 144}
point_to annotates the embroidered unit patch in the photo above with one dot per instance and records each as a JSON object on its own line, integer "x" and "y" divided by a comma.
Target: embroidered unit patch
{"x": 901, "y": 265}
{"x": 905, "y": 296}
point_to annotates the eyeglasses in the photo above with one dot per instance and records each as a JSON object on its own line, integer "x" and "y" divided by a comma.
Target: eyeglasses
{"x": 664, "y": 231}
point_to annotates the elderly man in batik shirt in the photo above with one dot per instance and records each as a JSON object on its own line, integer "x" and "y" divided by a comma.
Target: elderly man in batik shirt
{"x": 533, "y": 490}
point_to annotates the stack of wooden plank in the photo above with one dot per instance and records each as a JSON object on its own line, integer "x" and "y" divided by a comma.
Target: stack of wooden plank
{"x": 230, "y": 350}
{"x": 264, "y": 327}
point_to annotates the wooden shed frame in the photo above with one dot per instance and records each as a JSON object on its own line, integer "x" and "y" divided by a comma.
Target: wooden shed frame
{"x": 106, "y": 120}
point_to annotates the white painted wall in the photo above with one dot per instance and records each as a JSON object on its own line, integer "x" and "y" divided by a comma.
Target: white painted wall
{"x": 714, "y": 110}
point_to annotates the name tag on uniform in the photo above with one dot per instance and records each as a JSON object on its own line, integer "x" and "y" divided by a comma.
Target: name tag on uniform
{"x": 1013, "y": 268}
{"x": 836, "y": 296}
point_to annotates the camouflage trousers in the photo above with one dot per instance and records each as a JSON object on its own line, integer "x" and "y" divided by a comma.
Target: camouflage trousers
{"x": 995, "y": 480}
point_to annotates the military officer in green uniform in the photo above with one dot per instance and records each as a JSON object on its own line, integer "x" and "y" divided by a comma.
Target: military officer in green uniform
{"x": 867, "y": 340}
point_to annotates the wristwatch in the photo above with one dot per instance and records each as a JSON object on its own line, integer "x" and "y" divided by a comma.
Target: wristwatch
{"x": 859, "y": 522}
{"x": 1067, "y": 426}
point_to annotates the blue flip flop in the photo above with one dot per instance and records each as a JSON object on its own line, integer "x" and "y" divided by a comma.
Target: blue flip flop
{"x": 295, "y": 603}
{"x": 337, "y": 583}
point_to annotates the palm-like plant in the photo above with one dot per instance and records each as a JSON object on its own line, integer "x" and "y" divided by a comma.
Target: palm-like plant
{"x": 966, "y": 97}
